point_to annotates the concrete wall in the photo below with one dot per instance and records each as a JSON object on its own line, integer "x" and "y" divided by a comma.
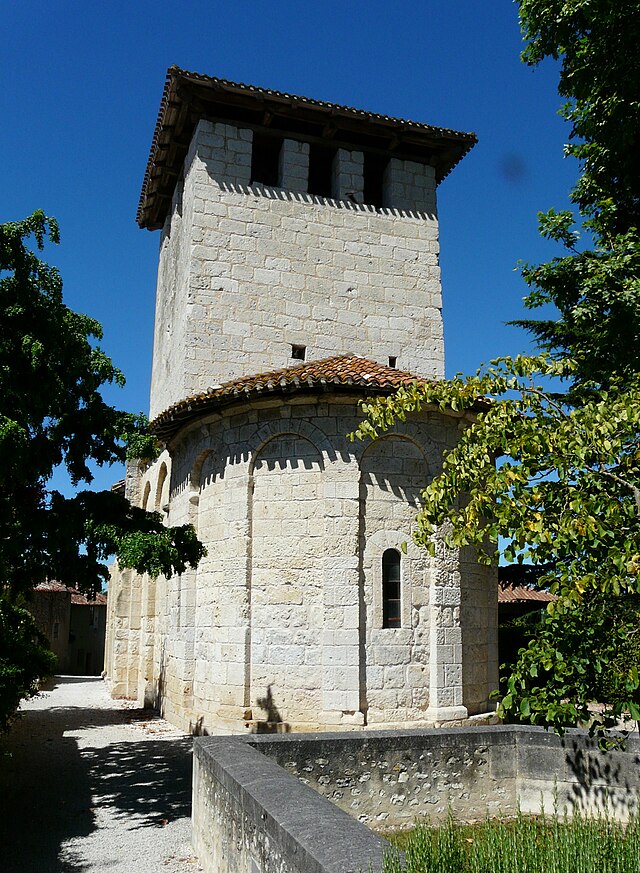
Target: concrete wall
{"x": 301, "y": 803}
{"x": 248, "y": 270}
{"x": 280, "y": 627}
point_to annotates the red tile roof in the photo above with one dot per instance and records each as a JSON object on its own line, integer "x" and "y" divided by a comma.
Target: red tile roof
{"x": 339, "y": 373}
{"x": 520, "y": 594}
{"x": 189, "y": 96}
{"x": 77, "y": 598}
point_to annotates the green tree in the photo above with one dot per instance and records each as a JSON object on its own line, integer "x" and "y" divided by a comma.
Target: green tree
{"x": 565, "y": 496}
{"x": 564, "y": 425}
{"x": 52, "y": 414}
{"x": 594, "y": 287}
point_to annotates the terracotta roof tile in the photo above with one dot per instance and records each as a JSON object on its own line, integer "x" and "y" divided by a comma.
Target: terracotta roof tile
{"x": 119, "y": 487}
{"x": 521, "y": 594}
{"x": 189, "y": 95}
{"x": 77, "y": 598}
{"x": 339, "y": 373}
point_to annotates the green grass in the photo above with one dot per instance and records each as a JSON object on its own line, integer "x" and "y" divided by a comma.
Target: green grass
{"x": 526, "y": 844}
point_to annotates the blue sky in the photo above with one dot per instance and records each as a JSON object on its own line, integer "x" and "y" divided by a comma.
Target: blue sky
{"x": 82, "y": 86}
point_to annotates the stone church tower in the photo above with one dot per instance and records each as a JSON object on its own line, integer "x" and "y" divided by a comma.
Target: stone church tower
{"x": 298, "y": 275}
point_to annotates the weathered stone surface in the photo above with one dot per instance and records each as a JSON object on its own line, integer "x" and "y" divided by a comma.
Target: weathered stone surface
{"x": 247, "y": 271}
{"x": 283, "y": 618}
{"x": 249, "y": 814}
{"x": 281, "y": 802}
{"x": 281, "y": 626}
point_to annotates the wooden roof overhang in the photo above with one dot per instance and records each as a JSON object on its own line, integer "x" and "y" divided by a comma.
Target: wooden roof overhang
{"x": 189, "y": 97}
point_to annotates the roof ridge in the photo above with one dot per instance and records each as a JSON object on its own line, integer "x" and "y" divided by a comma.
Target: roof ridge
{"x": 329, "y": 104}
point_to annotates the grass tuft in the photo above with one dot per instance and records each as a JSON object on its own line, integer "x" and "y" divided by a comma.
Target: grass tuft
{"x": 543, "y": 844}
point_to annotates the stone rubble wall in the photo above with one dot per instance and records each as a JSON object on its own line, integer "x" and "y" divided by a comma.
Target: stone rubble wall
{"x": 305, "y": 803}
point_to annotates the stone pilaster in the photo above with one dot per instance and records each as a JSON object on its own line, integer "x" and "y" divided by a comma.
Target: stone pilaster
{"x": 146, "y": 686}
{"x": 293, "y": 173}
{"x": 348, "y": 176}
{"x": 445, "y": 651}
{"x": 410, "y": 186}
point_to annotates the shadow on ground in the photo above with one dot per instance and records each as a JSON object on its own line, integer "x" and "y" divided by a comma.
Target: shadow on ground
{"x": 149, "y": 783}
{"x": 50, "y": 788}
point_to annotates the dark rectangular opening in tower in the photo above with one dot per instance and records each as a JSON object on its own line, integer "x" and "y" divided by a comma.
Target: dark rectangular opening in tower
{"x": 373, "y": 178}
{"x": 265, "y": 159}
{"x": 299, "y": 353}
{"x": 321, "y": 170}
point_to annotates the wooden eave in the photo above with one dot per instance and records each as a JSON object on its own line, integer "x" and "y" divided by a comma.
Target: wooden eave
{"x": 190, "y": 97}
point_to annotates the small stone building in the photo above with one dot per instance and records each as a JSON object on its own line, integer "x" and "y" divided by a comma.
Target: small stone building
{"x": 298, "y": 275}
{"x": 74, "y": 625}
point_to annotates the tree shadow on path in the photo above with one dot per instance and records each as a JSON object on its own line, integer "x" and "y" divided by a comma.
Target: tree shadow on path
{"x": 50, "y": 788}
{"x": 149, "y": 783}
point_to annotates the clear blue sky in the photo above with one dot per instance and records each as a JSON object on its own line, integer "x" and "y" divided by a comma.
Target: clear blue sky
{"x": 82, "y": 86}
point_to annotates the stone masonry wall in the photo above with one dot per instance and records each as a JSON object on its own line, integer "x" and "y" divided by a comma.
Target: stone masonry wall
{"x": 393, "y": 470}
{"x": 250, "y": 816}
{"x": 386, "y": 780}
{"x": 280, "y": 627}
{"x": 280, "y": 803}
{"x": 247, "y": 271}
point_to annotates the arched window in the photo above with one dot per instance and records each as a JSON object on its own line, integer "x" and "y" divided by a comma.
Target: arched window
{"x": 146, "y": 495}
{"x": 391, "y": 616}
{"x": 161, "y": 497}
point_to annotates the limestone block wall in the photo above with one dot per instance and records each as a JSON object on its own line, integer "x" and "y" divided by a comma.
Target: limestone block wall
{"x": 348, "y": 176}
{"x": 393, "y": 470}
{"x": 479, "y": 617}
{"x": 410, "y": 186}
{"x": 246, "y": 270}
{"x": 122, "y": 638}
{"x": 280, "y": 627}
{"x": 293, "y": 165}
{"x": 286, "y": 578}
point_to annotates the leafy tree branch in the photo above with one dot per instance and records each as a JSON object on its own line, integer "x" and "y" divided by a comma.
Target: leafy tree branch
{"x": 52, "y": 414}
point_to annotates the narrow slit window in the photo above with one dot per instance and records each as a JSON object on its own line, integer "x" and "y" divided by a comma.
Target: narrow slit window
{"x": 321, "y": 170}
{"x": 391, "y": 616}
{"x": 298, "y": 353}
{"x": 393, "y": 361}
{"x": 265, "y": 160}
{"x": 373, "y": 179}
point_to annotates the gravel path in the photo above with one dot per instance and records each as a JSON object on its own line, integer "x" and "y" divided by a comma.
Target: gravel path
{"x": 89, "y": 784}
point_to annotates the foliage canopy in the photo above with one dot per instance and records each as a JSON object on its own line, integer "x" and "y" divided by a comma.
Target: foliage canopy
{"x": 51, "y": 414}
{"x": 564, "y": 426}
